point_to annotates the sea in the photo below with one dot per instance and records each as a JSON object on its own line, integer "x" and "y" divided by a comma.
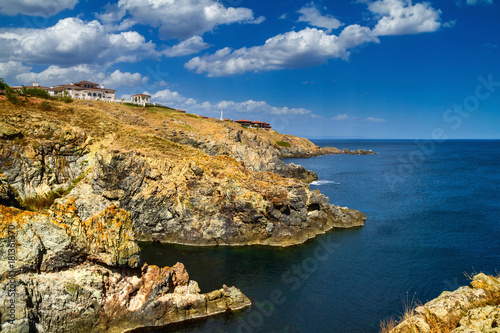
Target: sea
{"x": 433, "y": 221}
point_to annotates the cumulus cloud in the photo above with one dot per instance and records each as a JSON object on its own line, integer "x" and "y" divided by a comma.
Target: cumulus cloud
{"x": 180, "y": 19}
{"x": 176, "y": 100}
{"x": 401, "y": 17}
{"x": 8, "y": 70}
{"x": 312, "y": 15}
{"x": 308, "y": 47}
{"x": 55, "y": 75}
{"x": 44, "y": 8}
{"x": 189, "y": 46}
{"x": 71, "y": 42}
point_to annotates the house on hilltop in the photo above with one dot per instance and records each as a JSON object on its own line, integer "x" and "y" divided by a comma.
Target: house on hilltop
{"x": 141, "y": 98}
{"x": 84, "y": 90}
{"x": 87, "y": 90}
{"x": 254, "y": 124}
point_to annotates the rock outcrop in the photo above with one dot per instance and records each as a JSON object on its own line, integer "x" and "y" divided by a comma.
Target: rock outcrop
{"x": 466, "y": 310}
{"x": 59, "y": 273}
{"x": 183, "y": 179}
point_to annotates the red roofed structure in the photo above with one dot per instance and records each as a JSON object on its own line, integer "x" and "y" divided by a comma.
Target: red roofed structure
{"x": 260, "y": 124}
{"x": 254, "y": 124}
{"x": 244, "y": 122}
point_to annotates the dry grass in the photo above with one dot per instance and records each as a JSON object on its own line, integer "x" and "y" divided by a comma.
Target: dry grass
{"x": 409, "y": 306}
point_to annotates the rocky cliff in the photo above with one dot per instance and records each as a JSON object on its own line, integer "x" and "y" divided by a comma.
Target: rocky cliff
{"x": 183, "y": 179}
{"x": 60, "y": 273}
{"x": 471, "y": 309}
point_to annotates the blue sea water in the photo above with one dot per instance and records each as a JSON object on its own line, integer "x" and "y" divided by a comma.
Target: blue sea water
{"x": 433, "y": 214}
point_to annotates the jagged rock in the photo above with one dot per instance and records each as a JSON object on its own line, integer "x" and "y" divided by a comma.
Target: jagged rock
{"x": 61, "y": 239}
{"x": 485, "y": 320}
{"x": 71, "y": 275}
{"x": 8, "y": 196}
{"x": 192, "y": 206}
{"x": 459, "y": 311}
{"x": 9, "y": 132}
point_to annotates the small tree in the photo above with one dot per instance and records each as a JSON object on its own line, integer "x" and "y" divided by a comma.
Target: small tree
{"x": 4, "y": 86}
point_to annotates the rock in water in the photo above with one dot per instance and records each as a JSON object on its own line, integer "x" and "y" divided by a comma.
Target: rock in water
{"x": 66, "y": 274}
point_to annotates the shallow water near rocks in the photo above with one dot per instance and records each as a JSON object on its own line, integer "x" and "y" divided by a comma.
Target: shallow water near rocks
{"x": 433, "y": 213}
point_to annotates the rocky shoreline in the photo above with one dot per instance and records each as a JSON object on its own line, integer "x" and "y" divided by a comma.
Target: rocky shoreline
{"x": 211, "y": 183}
{"x": 86, "y": 276}
{"x": 469, "y": 309}
{"x": 123, "y": 174}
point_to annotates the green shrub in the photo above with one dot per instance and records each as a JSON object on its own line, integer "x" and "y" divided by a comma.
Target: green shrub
{"x": 67, "y": 99}
{"x": 283, "y": 144}
{"x": 36, "y": 92}
{"x": 191, "y": 115}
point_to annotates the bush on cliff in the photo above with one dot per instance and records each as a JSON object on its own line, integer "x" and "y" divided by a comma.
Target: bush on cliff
{"x": 283, "y": 144}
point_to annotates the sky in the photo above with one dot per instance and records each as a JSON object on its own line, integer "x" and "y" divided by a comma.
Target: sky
{"x": 376, "y": 69}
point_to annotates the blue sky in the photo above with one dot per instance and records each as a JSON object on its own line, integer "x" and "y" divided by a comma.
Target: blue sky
{"x": 338, "y": 69}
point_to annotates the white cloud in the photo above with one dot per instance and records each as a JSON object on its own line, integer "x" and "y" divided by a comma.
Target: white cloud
{"x": 375, "y": 120}
{"x": 118, "y": 78}
{"x": 478, "y": 2}
{"x": 344, "y": 117}
{"x": 449, "y": 24}
{"x": 176, "y": 100}
{"x": 308, "y": 47}
{"x": 170, "y": 97}
{"x": 312, "y": 15}
{"x": 189, "y": 46}
{"x": 181, "y": 19}
{"x": 55, "y": 75}
{"x": 44, "y": 8}
{"x": 8, "y": 70}
{"x": 401, "y": 17}
{"x": 71, "y": 42}
{"x": 341, "y": 117}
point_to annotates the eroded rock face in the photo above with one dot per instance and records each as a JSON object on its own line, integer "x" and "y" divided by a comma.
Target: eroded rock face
{"x": 465, "y": 310}
{"x": 189, "y": 203}
{"x": 70, "y": 275}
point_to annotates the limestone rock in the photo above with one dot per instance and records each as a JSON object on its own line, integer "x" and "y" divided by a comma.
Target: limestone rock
{"x": 71, "y": 275}
{"x": 462, "y": 310}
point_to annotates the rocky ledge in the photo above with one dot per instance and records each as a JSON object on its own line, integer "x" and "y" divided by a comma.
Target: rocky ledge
{"x": 60, "y": 273}
{"x": 472, "y": 309}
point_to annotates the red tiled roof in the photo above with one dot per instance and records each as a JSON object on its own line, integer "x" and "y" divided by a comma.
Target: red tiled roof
{"x": 86, "y": 82}
{"x": 243, "y": 121}
{"x": 259, "y": 122}
{"x": 62, "y": 86}
{"x": 140, "y": 95}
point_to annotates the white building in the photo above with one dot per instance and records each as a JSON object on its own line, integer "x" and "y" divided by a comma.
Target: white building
{"x": 141, "y": 99}
{"x": 84, "y": 90}
{"x": 87, "y": 90}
